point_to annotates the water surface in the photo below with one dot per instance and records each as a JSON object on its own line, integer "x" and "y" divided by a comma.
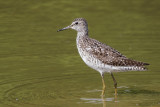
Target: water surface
{"x": 42, "y": 68}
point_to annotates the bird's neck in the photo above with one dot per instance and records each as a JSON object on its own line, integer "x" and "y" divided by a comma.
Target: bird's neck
{"x": 82, "y": 33}
{"x": 81, "y": 37}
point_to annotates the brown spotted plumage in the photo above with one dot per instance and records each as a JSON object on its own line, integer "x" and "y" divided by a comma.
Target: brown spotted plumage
{"x": 106, "y": 54}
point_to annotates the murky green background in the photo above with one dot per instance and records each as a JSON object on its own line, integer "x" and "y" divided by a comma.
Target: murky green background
{"x": 42, "y": 68}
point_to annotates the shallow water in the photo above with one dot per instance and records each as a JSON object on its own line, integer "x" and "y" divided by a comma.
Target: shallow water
{"x": 41, "y": 68}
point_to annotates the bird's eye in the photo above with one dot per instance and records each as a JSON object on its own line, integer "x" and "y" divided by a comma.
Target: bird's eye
{"x": 76, "y": 23}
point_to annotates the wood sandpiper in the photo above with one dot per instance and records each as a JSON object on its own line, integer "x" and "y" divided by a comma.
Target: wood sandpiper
{"x": 100, "y": 56}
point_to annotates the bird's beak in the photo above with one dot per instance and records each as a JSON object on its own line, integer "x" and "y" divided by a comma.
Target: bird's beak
{"x": 64, "y": 28}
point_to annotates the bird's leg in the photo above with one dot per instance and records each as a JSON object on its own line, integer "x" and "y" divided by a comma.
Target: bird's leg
{"x": 115, "y": 84}
{"x": 104, "y": 86}
{"x": 103, "y": 101}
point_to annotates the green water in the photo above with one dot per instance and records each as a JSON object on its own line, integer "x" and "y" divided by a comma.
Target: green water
{"x": 42, "y": 68}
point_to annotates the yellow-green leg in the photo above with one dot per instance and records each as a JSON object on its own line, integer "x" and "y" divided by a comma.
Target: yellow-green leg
{"x": 115, "y": 84}
{"x": 104, "y": 86}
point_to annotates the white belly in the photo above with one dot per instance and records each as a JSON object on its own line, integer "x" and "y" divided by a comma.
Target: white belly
{"x": 93, "y": 62}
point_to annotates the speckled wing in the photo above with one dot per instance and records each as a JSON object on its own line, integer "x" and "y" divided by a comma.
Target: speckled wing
{"x": 110, "y": 56}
